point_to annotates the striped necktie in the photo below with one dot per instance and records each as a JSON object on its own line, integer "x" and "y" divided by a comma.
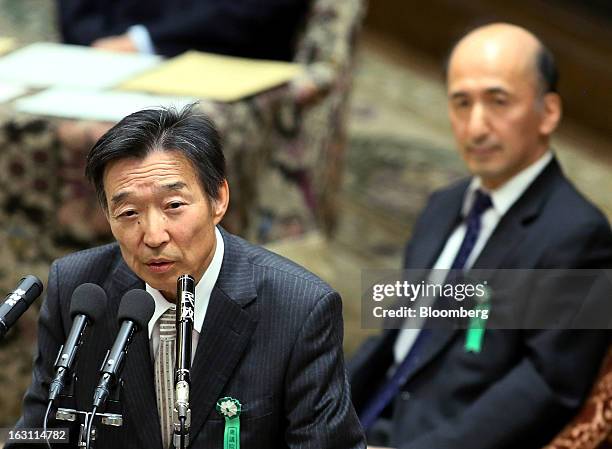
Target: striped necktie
{"x": 164, "y": 373}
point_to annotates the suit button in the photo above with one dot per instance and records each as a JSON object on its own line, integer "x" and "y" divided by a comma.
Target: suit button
{"x": 405, "y": 395}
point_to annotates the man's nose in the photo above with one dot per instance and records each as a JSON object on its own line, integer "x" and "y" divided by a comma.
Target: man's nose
{"x": 478, "y": 125}
{"x": 155, "y": 230}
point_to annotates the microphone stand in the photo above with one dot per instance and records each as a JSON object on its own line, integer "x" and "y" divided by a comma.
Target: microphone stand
{"x": 86, "y": 427}
{"x": 184, "y": 329}
{"x": 112, "y": 418}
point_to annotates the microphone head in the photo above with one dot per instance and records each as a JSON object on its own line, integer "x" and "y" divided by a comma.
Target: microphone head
{"x": 32, "y": 286}
{"x": 138, "y": 306}
{"x": 18, "y": 301}
{"x": 89, "y": 300}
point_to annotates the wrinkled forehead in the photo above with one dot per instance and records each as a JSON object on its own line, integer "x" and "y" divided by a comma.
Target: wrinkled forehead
{"x": 156, "y": 169}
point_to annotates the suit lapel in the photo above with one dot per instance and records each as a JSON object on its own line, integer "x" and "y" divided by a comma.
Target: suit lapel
{"x": 507, "y": 235}
{"x": 431, "y": 235}
{"x": 513, "y": 226}
{"x": 138, "y": 396}
{"x": 226, "y": 331}
{"x": 443, "y": 218}
{"x": 437, "y": 340}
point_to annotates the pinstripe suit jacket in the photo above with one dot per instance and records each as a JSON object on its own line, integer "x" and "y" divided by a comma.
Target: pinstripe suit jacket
{"x": 272, "y": 339}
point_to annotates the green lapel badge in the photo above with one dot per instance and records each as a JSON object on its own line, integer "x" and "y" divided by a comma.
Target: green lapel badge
{"x": 474, "y": 336}
{"x": 230, "y": 409}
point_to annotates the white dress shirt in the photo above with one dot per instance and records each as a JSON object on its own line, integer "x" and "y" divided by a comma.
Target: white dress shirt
{"x": 203, "y": 291}
{"x": 502, "y": 198}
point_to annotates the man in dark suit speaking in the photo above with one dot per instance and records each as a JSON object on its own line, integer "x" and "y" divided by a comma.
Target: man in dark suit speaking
{"x": 267, "y": 333}
{"x": 418, "y": 390}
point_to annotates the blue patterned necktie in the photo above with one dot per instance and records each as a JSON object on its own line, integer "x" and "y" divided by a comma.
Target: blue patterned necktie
{"x": 482, "y": 202}
{"x": 392, "y": 386}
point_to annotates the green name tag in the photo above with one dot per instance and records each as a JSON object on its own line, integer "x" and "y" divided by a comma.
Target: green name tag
{"x": 475, "y": 333}
{"x": 230, "y": 409}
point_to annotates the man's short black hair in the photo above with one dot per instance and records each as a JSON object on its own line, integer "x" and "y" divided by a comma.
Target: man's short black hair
{"x": 547, "y": 69}
{"x": 186, "y": 131}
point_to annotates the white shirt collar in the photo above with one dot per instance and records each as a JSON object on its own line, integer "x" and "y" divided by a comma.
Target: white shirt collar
{"x": 203, "y": 290}
{"x": 505, "y": 196}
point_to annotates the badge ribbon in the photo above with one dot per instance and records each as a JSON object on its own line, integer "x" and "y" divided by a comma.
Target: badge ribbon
{"x": 474, "y": 336}
{"x": 475, "y": 333}
{"x": 230, "y": 409}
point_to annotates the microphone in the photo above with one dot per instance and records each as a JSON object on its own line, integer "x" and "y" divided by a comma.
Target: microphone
{"x": 17, "y": 302}
{"x": 185, "y": 294}
{"x": 135, "y": 311}
{"x": 86, "y": 307}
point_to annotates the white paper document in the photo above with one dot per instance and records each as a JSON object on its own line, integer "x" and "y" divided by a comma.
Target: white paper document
{"x": 48, "y": 64}
{"x": 214, "y": 77}
{"x": 106, "y": 106}
{"x": 8, "y": 91}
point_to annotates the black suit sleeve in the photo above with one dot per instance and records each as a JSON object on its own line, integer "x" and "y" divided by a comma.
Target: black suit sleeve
{"x": 51, "y": 335}
{"x": 82, "y": 22}
{"x": 318, "y": 405}
{"x": 540, "y": 393}
{"x": 245, "y": 28}
{"x": 248, "y": 28}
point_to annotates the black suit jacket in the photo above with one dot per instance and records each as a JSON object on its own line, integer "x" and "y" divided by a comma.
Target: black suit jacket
{"x": 272, "y": 338}
{"x": 525, "y": 384}
{"x": 249, "y": 28}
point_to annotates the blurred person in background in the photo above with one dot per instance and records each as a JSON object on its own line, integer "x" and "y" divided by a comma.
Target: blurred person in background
{"x": 421, "y": 390}
{"x": 253, "y": 29}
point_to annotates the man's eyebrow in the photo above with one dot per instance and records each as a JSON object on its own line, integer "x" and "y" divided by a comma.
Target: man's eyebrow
{"x": 458, "y": 94}
{"x": 497, "y": 90}
{"x": 117, "y": 198}
{"x": 178, "y": 185}
{"x": 173, "y": 186}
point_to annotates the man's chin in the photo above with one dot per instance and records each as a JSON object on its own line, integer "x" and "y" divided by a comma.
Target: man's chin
{"x": 168, "y": 291}
{"x": 483, "y": 168}
{"x": 490, "y": 179}
{"x": 162, "y": 281}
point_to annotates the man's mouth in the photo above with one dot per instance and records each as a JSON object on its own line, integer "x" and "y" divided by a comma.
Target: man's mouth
{"x": 483, "y": 150}
{"x": 159, "y": 265}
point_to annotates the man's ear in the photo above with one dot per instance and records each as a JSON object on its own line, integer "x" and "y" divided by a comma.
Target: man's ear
{"x": 219, "y": 204}
{"x": 553, "y": 109}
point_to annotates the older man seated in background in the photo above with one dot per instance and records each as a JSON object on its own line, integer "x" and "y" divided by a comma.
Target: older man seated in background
{"x": 426, "y": 390}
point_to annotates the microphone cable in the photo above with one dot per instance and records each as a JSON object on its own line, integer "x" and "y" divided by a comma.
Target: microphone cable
{"x": 93, "y": 414}
{"x": 182, "y": 425}
{"x": 45, "y": 424}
